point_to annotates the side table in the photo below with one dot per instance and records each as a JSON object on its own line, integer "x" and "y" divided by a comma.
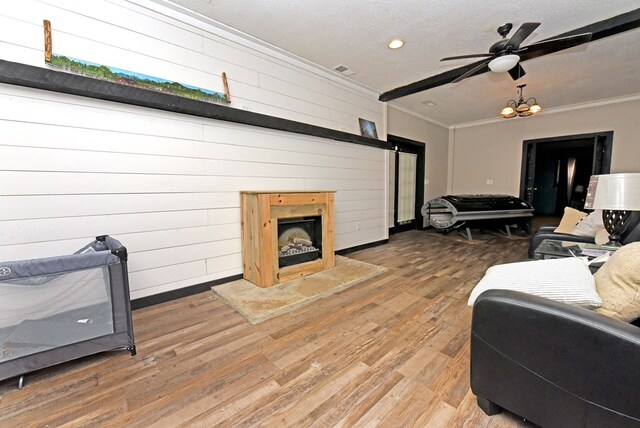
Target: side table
{"x": 556, "y": 249}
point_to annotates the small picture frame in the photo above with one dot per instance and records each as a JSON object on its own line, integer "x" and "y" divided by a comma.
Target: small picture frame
{"x": 368, "y": 128}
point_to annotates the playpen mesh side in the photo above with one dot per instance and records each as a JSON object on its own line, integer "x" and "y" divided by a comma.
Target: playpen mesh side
{"x": 49, "y": 303}
{"x": 70, "y": 308}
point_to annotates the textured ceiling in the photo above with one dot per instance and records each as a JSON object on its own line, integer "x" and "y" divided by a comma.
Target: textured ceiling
{"x": 355, "y": 33}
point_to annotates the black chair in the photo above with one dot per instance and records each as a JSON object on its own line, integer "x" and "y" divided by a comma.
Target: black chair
{"x": 630, "y": 233}
{"x": 554, "y": 364}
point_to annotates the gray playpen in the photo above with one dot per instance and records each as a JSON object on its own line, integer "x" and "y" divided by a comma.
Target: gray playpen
{"x": 57, "y": 309}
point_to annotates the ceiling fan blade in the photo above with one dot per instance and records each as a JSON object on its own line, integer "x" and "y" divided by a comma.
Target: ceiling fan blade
{"x": 482, "y": 55}
{"x": 517, "y": 72}
{"x": 430, "y": 82}
{"x": 523, "y": 32}
{"x": 554, "y": 45}
{"x": 475, "y": 70}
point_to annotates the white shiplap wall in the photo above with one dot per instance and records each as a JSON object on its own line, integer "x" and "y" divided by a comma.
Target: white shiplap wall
{"x": 167, "y": 185}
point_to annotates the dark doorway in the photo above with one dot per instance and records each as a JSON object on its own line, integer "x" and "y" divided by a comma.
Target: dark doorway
{"x": 556, "y": 171}
{"x": 414, "y": 153}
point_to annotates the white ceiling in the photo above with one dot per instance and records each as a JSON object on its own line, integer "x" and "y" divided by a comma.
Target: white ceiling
{"x": 356, "y": 32}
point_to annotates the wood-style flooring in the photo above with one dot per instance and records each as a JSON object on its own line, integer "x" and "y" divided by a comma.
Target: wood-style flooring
{"x": 392, "y": 352}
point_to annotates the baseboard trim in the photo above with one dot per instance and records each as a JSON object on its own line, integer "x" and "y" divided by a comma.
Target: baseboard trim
{"x": 399, "y": 229}
{"x": 361, "y": 247}
{"x": 167, "y": 296}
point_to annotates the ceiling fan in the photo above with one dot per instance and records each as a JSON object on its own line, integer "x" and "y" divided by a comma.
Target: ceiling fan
{"x": 507, "y": 54}
{"x": 504, "y": 55}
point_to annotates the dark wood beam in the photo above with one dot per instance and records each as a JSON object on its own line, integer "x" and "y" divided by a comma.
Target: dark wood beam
{"x": 601, "y": 29}
{"x": 51, "y": 80}
{"x": 608, "y": 27}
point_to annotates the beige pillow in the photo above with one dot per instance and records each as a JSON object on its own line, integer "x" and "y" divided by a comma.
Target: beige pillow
{"x": 618, "y": 284}
{"x": 569, "y": 220}
{"x": 602, "y": 236}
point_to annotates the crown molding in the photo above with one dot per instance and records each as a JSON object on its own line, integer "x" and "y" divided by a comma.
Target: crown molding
{"x": 182, "y": 14}
{"x": 554, "y": 110}
{"x": 395, "y": 105}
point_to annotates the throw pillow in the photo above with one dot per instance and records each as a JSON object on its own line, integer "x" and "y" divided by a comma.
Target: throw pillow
{"x": 569, "y": 220}
{"x": 618, "y": 283}
{"x": 567, "y": 280}
{"x": 590, "y": 225}
{"x": 602, "y": 236}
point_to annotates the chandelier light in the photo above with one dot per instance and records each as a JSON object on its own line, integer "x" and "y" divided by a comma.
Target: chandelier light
{"x": 521, "y": 107}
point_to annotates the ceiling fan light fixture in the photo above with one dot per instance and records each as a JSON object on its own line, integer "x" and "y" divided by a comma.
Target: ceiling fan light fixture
{"x": 395, "y": 44}
{"x": 503, "y": 63}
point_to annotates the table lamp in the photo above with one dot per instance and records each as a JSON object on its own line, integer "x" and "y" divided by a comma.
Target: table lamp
{"x": 618, "y": 195}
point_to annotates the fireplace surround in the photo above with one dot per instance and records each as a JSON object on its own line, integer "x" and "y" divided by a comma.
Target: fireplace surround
{"x": 265, "y": 216}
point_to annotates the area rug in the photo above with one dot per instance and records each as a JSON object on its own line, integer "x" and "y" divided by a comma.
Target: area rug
{"x": 260, "y": 304}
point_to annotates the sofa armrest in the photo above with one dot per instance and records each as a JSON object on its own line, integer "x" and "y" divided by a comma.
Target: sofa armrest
{"x": 539, "y": 237}
{"x": 581, "y": 367}
{"x": 546, "y": 229}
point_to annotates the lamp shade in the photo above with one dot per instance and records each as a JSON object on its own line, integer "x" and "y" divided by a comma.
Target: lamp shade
{"x": 614, "y": 192}
{"x": 503, "y": 63}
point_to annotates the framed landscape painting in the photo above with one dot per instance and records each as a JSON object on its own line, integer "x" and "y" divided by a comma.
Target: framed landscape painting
{"x": 133, "y": 79}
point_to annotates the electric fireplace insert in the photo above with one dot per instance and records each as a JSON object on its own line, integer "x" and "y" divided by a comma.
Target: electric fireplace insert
{"x": 299, "y": 240}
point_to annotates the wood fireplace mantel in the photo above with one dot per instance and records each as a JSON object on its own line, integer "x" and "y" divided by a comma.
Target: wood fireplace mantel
{"x": 260, "y": 213}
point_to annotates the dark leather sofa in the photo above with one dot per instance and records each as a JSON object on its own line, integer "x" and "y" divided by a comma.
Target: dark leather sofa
{"x": 554, "y": 364}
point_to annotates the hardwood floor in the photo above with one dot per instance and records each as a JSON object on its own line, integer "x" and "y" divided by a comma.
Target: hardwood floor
{"x": 392, "y": 351}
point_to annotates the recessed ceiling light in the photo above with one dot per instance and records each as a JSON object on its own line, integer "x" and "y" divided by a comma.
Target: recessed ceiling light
{"x": 395, "y": 44}
{"x": 429, "y": 103}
